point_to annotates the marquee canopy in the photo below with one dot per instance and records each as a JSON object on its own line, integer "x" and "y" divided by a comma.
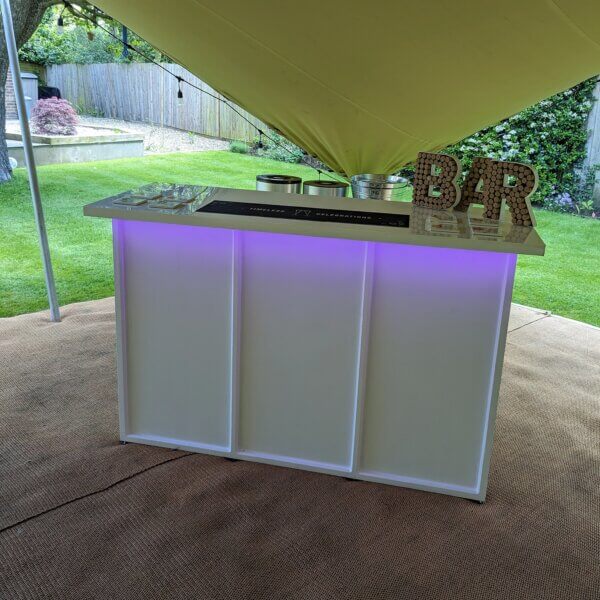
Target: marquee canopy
{"x": 366, "y": 85}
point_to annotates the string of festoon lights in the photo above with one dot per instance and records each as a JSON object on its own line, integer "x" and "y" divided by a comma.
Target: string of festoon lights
{"x": 77, "y": 11}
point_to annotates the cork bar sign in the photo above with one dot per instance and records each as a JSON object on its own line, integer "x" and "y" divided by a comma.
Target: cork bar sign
{"x": 489, "y": 182}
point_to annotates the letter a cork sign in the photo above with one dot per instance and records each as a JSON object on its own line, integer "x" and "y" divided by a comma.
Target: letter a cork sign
{"x": 476, "y": 181}
{"x": 435, "y": 184}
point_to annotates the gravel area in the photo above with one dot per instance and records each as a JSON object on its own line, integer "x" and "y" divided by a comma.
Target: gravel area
{"x": 160, "y": 140}
{"x": 157, "y": 140}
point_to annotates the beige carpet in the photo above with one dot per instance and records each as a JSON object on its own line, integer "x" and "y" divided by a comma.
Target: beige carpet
{"x": 84, "y": 517}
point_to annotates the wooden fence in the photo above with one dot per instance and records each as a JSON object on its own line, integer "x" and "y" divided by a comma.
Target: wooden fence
{"x": 143, "y": 92}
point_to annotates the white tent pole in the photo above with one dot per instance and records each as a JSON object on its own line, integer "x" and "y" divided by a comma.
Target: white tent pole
{"x": 11, "y": 45}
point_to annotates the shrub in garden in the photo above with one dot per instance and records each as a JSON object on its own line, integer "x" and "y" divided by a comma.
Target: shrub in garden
{"x": 282, "y": 149}
{"x": 238, "y": 147}
{"x": 54, "y": 116}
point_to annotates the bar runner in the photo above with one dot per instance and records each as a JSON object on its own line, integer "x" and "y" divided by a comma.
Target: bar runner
{"x": 305, "y": 213}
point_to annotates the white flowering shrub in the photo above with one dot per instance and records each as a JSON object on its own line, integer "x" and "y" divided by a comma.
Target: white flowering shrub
{"x": 552, "y": 136}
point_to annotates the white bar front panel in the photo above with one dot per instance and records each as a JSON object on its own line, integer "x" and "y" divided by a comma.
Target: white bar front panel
{"x": 431, "y": 352}
{"x": 299, "y": 334}
{"x": 178, "y": 306}
{"x": 369, "y": 360}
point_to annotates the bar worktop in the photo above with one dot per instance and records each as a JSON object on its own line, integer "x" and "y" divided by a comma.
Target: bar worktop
{"x": 424, "y": 227}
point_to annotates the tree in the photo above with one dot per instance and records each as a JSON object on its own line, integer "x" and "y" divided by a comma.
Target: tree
{"x": 83, "y": 42}
{"x": 74, "y": 44}
{"x": 27, "y": 15}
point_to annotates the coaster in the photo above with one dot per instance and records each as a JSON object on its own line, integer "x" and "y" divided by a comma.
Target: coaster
{"x": 166, "y": 204}
{"x": 130, "y": 200}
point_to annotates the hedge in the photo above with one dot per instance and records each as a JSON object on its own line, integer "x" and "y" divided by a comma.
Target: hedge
{"x": 550, "y": 135}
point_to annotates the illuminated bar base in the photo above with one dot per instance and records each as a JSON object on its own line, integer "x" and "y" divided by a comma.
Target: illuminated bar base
{"x": 369, "y": 360}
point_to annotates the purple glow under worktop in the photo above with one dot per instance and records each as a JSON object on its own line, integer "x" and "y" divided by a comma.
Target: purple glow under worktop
{"x": 315, "y": 246}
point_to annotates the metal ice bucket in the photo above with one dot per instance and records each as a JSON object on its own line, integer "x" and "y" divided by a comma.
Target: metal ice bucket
{"x": 377, "y": 187}
{"x": 278, "y": 183}
{"x": 325, "y": 188}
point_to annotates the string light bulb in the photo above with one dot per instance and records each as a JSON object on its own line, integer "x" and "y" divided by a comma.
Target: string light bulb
{"x": 260, "y": 142}
{"x": 179, "y": 92}
{"x": 60, "y": 24}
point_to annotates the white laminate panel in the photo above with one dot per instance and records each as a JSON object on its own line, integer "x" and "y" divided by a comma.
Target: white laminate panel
{"x": 300, "y": 323}
{"x": 432, "y": 348}
{"x": 177, "y": 298}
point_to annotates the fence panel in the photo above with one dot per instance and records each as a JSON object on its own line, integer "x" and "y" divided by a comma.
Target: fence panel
{"x": 143, "y": 92}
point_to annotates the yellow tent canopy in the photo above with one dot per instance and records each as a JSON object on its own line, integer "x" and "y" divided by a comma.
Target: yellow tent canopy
{"x": 366, "y": 85}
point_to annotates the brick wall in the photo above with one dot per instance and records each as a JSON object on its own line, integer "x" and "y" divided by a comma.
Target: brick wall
{"x": 9, "y": 98}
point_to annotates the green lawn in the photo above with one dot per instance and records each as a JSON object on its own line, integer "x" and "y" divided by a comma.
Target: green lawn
{"x": 566, "y": 281}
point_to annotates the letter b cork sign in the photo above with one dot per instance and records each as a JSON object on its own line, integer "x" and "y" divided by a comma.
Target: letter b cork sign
{"x": 489, "y": 182}
{"x": 436, "y": 177}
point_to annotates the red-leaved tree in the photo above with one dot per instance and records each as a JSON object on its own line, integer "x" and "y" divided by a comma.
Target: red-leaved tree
{"x": 53, "y": 116}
